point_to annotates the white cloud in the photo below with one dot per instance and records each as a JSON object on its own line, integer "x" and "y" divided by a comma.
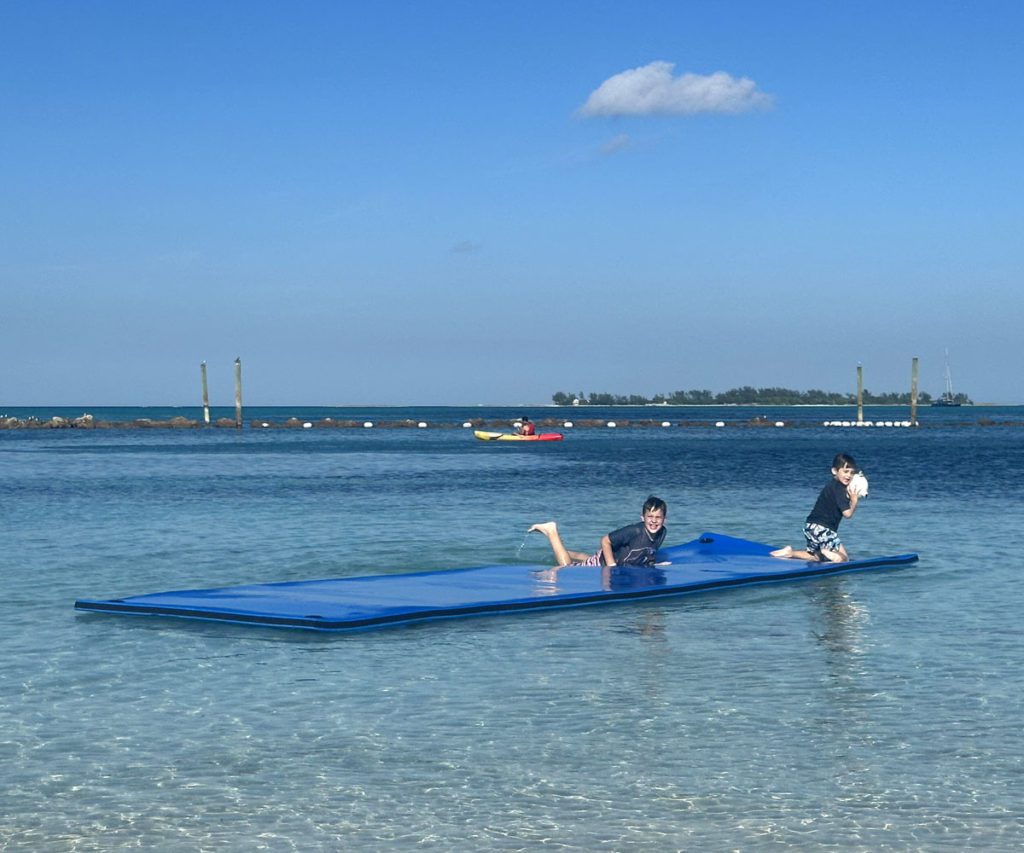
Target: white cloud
{"x": 652, "y": 90}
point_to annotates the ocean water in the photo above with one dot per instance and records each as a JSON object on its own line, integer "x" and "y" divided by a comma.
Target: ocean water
{"x": 877, "y": 711}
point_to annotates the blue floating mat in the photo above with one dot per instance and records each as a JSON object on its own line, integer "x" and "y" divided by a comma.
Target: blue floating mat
{"x": 710, "y": 562}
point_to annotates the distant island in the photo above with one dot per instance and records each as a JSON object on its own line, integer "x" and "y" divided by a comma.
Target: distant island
{"x": 747, "y": 396}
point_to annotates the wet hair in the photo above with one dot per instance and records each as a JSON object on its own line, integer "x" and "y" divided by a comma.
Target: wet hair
{"x": 653, "y": 504}
{"x": 844, "y": 460}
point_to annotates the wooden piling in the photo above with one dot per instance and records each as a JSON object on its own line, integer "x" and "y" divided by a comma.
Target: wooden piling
{"x": 238, "y": 393}
{"x": 913, "y": 392}
{"x": 206, "y": 395}
{"x": 860, "y": 394}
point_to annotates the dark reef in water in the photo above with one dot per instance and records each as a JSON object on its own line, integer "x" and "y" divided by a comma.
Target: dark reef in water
{"x": 87, "y": 422}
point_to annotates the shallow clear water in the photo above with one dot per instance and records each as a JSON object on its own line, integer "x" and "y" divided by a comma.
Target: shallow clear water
{"x": 874, "y": 711}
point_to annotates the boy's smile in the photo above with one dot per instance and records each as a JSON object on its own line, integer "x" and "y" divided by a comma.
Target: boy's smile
{"x": 654, "y": 520}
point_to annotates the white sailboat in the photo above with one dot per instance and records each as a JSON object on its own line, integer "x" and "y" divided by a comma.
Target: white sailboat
{"x": 947, "y": 398}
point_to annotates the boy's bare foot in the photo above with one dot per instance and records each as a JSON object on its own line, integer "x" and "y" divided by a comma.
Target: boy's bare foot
{"x": 783, "y": 552}
{"x": 547, "y": 528}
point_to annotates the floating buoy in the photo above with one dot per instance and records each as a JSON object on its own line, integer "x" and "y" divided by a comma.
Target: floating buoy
{"x": 466, "y": 425}
{"x": 719, "y": 423}
{"x": 567, "y": 424}
{"x": 264, "y": 424}
{"x": 665, "y": 423}
{"x": 368, "y": 424}
{"x": 307, "y": 425}
{"x": 611, "y": 424}
{"x": 422, "y": 424}
{"x": 779, "y": 423}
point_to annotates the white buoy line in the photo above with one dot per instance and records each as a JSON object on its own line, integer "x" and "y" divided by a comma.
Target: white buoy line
{"x": 891, "y": 424}
{"x": 614, "y": 424}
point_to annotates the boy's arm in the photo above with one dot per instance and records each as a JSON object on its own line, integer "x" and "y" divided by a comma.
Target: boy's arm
{"x": 848, "y": 513}
{"x": 606, "y": 548}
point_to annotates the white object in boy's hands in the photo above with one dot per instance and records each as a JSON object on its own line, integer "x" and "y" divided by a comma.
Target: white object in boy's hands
{"x": 859, "y": 485}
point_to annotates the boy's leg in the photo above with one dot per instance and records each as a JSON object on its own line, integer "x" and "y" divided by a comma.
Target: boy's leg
{"x": 789, "y": 553}
{"x": 822, "y": 544}
{"x": 831, "y": 547}
{"x": 837, "y": 556}
{"x": 550, "y": 530}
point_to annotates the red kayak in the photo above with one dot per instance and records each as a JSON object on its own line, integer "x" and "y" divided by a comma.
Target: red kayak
{"x": 513, "y": 436}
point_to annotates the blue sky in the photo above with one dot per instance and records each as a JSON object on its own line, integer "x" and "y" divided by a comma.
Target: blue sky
{"x": 481, "y": 202}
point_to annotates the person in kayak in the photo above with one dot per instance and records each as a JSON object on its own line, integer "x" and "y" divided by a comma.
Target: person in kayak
{"x": 526, "y": 426}
{"x": 836, "y": 501}
{"x": 633, "y": 545}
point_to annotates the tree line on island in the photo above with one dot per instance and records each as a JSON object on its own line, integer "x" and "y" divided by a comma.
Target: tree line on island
{"x": 746, "y": 396}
